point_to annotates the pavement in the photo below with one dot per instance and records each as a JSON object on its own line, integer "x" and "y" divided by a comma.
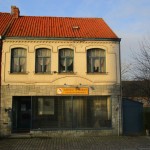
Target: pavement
{"x": 77, "y": 143}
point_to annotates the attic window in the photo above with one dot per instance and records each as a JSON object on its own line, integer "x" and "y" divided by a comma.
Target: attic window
{"x": 75, "y": 27}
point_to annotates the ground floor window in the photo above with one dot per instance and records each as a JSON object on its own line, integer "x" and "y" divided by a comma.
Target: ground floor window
{"x": 64, "y": 112}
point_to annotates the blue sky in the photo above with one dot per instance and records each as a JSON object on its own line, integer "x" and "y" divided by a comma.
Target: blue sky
{"x": 129, "y": 19}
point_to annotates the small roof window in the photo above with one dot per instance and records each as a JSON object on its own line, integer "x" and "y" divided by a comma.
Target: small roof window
{"x": 75, "y": 27}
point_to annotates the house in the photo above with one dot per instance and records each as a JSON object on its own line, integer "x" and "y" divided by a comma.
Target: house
{"x": 60, "y": 75}
{"x": 5, "y": 19}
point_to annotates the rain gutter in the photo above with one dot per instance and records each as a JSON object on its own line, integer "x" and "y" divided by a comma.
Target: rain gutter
{"x": 65, "y": 38}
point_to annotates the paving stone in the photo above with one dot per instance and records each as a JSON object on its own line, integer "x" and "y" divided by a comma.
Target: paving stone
{"x": 77, "y": 143}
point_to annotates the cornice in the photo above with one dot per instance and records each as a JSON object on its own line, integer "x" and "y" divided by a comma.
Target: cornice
{"x": 16, "y": 41}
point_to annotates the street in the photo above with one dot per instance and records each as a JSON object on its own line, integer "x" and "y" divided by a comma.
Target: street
{"x": 77, "y": 143}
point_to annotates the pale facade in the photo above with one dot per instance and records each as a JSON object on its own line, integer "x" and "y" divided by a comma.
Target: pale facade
{"x": 92, "y": 106}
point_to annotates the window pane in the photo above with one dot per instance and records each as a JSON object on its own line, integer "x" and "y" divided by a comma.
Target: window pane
{"x": 22, "y": 64}
{"x": 96, "y": 60}
{"x": 45, "y": 106}
{"x": 43, "y": 60}
{"x": 79, "y": 112}
{"x": 96, "y": 65}
{"x": 99, "y": 112}
{"x": 62, "y": 65}
{"x": 39, "y": 63}
{"x": 66, "y": 115}
{"x": 66, "y": 60}
{"x": 18, "y": 60}
{"x": 15, "y": 65}
{"x": 102, "y": 65}
{"x": 47, "y": 64}
{"x": 69, "y": 64}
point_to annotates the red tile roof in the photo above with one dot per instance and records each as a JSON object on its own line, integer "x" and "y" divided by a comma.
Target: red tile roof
{"x": 5, "y": 19}
{"x": 60, "y": 27}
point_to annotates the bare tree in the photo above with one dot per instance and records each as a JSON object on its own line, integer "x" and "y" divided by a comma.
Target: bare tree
{"x": 125, "y": 71}
{"x": 141, "y": 69}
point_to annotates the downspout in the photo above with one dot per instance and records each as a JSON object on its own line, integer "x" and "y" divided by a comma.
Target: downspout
{"x": 120, "y": 98}
{"x": 0, "y": 80}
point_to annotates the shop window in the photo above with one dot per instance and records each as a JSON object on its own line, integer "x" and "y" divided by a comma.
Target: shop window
{"x": 93, "y": 112}
{"x": 18, "y": 60}
{"x": 43, "y": 61}
{"x": 45, "y": 106}
{"x": 96, "y": 61}
{"x": 66, "y": 60}
{"x": 99, "y": 112}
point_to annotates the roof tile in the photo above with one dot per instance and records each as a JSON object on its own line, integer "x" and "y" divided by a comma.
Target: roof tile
{"x": 5, "y": 19}
{"x": 57, "y": 27}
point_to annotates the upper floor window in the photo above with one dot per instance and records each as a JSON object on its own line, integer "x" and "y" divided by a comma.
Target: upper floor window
{"x": 18, "y": 60}
{"x": 43, "y": 61}
{"x": 96, "y": 60}
{"x": 66, "y": 60}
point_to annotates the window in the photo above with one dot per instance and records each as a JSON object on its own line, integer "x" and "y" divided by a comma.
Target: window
{"x": 96, "y": 61}
{"x": 43, "y": 61}
{"x": 99, "y": 112}
{"x": 65, "y": 60}
{"x": 71, "y": 112}
{"x": 18, "y": 60}
{"x": 45, "y": 106}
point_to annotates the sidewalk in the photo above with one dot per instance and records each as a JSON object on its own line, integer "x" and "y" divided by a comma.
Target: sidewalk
{"x": 77, "y": 143}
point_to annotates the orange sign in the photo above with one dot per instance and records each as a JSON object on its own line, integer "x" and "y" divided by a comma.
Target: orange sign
{"x": 72, "y": 91}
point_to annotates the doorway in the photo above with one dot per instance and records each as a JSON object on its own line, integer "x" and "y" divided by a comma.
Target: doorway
{"x": 21, "y": 114}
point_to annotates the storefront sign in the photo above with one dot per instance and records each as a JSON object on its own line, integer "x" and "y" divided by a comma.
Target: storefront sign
{"x": 72, "y": 91}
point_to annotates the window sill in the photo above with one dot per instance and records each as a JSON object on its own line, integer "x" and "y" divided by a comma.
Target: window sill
{"x": 18, "y": 73}
{"x": 43, "y": 73}
{"x": 67, "y": 73}
{"x": 97, "y": 73}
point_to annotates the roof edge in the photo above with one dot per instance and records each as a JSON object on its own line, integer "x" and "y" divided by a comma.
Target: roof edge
{"x": 64, "y": 38}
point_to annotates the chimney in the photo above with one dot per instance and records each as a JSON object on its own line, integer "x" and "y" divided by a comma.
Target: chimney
{"x": 15, "y": 12}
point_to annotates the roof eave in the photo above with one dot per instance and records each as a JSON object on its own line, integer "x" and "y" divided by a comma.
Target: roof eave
{"x": 65, "y": 38}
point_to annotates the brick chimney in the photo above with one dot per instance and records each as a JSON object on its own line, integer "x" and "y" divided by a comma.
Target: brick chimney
{"x": 15, "y": 12}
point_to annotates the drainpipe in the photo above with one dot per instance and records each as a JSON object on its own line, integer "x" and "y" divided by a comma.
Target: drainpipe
{"x": 0, "y": 81}
{"x": 31, "y": 114}
{"x": 120, "y": 98}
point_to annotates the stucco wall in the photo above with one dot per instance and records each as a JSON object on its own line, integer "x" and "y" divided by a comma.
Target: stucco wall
{"x": 32, "y": 84}
{"x": 112, "y": 75}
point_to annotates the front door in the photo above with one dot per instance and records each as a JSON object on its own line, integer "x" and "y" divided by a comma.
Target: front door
{"x": 21, "y": 113}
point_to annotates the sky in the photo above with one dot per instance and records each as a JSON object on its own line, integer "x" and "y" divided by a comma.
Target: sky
{"x": 129, "y": 19}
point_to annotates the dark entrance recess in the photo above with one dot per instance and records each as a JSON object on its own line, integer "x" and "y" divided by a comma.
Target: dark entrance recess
{"x": 21, "y": 114}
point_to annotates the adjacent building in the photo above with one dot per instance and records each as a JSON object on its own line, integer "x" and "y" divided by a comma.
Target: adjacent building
{"x": 60, "y": 75}
{"x": 136, "y": 90}
{"x": 5, "y": 20}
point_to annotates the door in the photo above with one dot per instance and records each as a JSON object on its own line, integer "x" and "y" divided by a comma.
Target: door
{"x": 132, "y": 117}
{"x": 21, "y": 114}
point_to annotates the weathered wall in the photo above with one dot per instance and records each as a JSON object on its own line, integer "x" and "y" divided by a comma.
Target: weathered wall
{"x": 32, "y": 84}
{"x": 8, "y": 91}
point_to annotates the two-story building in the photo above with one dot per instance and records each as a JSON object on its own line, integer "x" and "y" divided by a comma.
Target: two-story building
{"x": 5, "y": 20}
{"x": 60, "y": 75}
